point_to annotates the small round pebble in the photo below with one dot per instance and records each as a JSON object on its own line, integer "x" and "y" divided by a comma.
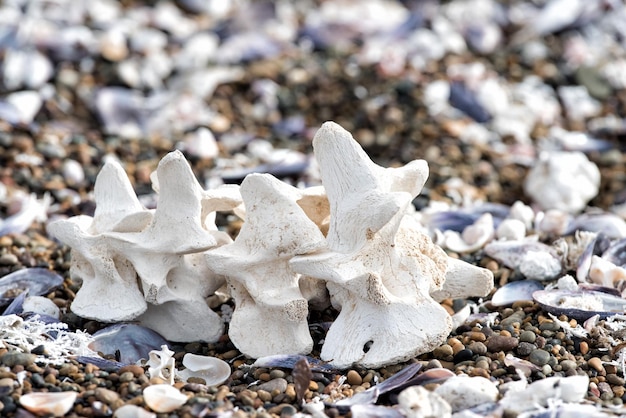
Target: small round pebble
{"x": 354, "y": 378}
{"x": 539, "y": 357}
{"x": 527, "y": 337}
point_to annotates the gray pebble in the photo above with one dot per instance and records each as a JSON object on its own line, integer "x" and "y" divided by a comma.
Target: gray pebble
{"x": 528, "y": 337}
{"x": 478, "y": 347}
{"x": 13, "y": 359}
{"x": 8, "y": 259}
{"x": 568, "y": 365}
{"x": 524, "y": 348}
{"x": 279, "y": 384}
{"x": 539, "y": 357}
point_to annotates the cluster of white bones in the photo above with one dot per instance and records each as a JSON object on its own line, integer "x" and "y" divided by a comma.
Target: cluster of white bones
{"x": 351, "y": 243}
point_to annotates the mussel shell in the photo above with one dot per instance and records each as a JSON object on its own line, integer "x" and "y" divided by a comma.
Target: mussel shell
{"x": 599, "y": 245}
{"x": 616, "y": 253}
{"x": 128, "y": 342}
{"x": 38, "y": 281}
{"x": 515, "y": 291}
{"x": 550, "y": 301}
{"x": 606, "y": 223}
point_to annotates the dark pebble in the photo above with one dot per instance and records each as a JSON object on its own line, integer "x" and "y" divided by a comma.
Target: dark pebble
{"x": 463, "y": 355}
{"x": 539, "y": 357}
{"x": 524, "y": 348}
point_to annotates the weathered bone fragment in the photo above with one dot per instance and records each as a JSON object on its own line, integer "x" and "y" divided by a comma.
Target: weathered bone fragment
{"x": 270, "y": 314}
{"x": 158, "y": 253}
{"x": 110, "y": 291}
{"x": 382, "y": 289}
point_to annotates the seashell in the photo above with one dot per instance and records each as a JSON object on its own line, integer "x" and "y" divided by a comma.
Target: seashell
{"x": 605, "y": 273}
{"x": 41, "y": 305}
{"x": 473, "y": 237}
{"x": 465, "y": 100}
{"x": 31, "y": 209}
{"x": 38, "y": 281}
{"x": 463, "y": 392}
{"x": 539, "y": 265}
{"x": 512, "y": 253}
{"x": 396, "y": 382}
{"x": 288, "y": 361}
{"x": 458, "y": 220}
{"x": 49, "y": 403}
{"x": 211, "y": 369}
{"x": 525, "y": 366}
{"x": 20, "y": 107}
{"x": 616, "y": 253}
{"x": 515, "y": 291}
{"x": 375, "y": 411}
{"x": 132, "y": 411}
{"x": 163, "y": 398}
{"x": 597, "y": 246}
{"x": 511, "y": 229}
{"x": 16, "y": 306}
{"x": 129, "y": 342}
{"x": 102, "y": 363}
{"x": 581, "y": 304}
{"x": 417, "y": 402}
{"x": 611, "y": 225}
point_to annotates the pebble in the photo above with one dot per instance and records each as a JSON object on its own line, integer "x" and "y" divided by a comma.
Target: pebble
{"x": 497, "y": 343}
{"x": 527, "y": 336}
{"x": 354, "y": 378}
{"x": 596, "y": 364}
{"x": 13, "y": 358}
{"x": 278, "y": 384}
{"x": 539, "y": 357}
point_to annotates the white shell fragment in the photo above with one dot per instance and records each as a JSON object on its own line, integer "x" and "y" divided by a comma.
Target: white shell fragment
{"x": 418, "y": 402}
{"x": 464, "y": 392}
{"x": 132, "y": 411}
{"x": 212, "y": 370}
{"x": 163, "y": 398}
{"x": 473, "y": 237}
{"x": 563, "y": 180}
{"x": 49, "y": 403}
{"x": 541, "y": 392}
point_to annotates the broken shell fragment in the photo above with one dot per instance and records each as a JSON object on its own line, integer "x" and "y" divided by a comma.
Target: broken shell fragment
{"x": 580, "y": 305}
{"x": 515, "y": 291}
{"x": 49, "y": 403}
{"x": 38, "y": 281}
{"x": 133, "y": 342}
{"x": 163, "y": 398}
{"x": 212, "y": 370}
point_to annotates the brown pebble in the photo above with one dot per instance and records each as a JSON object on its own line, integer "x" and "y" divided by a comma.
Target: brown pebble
{"x": 354, "y": 378}
{"x": 106, "y": 396}
{"x": 230, "y": 354}
{"x": 584, "y": 348}
{"x": 476, "y": 336}
{"x": 497, "y": 343}
{"x": 596, "y": 364}
{"x": 134, "y": 369}
{"x": 442, "y": 352}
